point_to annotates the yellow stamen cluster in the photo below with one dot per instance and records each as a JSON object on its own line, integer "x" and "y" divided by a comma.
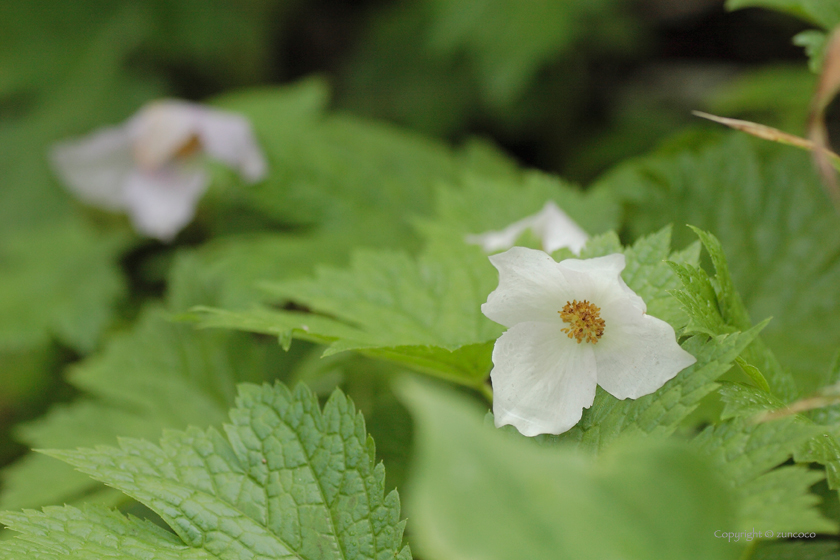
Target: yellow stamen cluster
{"x": 584, "y": 320}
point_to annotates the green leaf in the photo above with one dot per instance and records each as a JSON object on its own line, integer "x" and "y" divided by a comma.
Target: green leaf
{"x": 328, "y": 170}
{"x": 824, "y": 448}
{"x": 648, "y": 274}
{"x": 659, "y": 413}
{"x": 156, "y": 375}
{"x": 781, "y": 237}
{"x": 825, "y": 13}
{"x": 747, "y": 454}
{"x": 287, "y": 481}
{"x": 424, "y": 313}
{"x": 368, "y": 383}
{"x": 58, "y": 281}
{"x": 90, "y": 533}
{"x": 715, "y": 307}
{"x": 814, "y": 43}
{"x": 478, "y": 493}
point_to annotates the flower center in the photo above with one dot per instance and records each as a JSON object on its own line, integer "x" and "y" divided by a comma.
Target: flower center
{"x": 190, "y": 147}
{"x": 584, "y": 321}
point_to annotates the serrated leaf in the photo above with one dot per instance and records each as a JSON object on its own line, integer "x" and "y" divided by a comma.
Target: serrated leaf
{"x": 721, "y": 310}
{"x": 287, "y": 481}
{"x": 715, "y": 307}
{"x": 648, "y": 274}
{"x": 159, "y": 375}
{"x": 332, "y": 169}
{"x": 661, "y": 412}
{"x": 424, "y": 313}
{"x": 156, "y": 375}
{"x": 747, "y": 454}
{"x": 368, "y": 382}
{"x": 782, "y": 241}
{"x": 91, "y": 533}
{"x": 479, "y": 494}
{"x": 741, "y": 401}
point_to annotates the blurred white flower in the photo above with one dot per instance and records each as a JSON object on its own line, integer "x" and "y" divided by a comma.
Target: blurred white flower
{"x": 571, "y": 325}
{"x": 551, "y": 225}
{"x": 148, "y": 166}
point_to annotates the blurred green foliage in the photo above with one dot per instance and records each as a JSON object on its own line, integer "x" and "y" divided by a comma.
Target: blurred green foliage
{"x": 355, "y": 240}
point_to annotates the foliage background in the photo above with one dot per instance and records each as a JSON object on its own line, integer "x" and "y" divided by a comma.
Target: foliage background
{"x": 369, "y": 112}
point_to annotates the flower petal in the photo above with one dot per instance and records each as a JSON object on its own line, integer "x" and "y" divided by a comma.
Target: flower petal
{"x": 638, "y": 353}
{"x": 556, "y": 229}
{"x": 96, "y": 167}
{"x": 228, "y": 138}
{"x": 599, "y": 280}
{"x": 542, "y": 380}
{"x": 162, "y": 203}
{"x": 532, "y": 287}
{"x": 161, "y": 129}
{"x": 551, "y": 225}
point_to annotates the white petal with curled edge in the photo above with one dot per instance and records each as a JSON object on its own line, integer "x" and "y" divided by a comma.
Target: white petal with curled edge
{"x": 638, "y": 353}
{"x": 532, "y": 287}
{"x": 96, "y": 167}
{"x": 228, "y": 138}
{"x": 556, "y": 230}
{"x": 542, "y": 380}
{"x": 161, "y": 129}
{"x": 162, "y": 203}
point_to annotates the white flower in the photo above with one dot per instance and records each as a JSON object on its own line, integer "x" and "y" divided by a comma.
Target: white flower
{"x": 551, "y": 225}
{"x": 147, "y": 166}
{"x": 571, "y": 325}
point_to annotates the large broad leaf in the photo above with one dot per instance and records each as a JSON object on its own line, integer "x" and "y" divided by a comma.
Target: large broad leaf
{"x": 424, "y": 313}
{"x": 480, "y": 494}
{"x": 328, "y": 169}
{"x": 780, "y": 234}
{"x": 58, "y": 281}
{"x": 287, "y": 482}
{"x": 748, "y": 454}
{"x": 156, "y": 375}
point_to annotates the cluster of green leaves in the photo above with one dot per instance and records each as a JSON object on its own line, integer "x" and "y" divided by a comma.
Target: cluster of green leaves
{"x": 354, "y": 255}
{"x": 287, "y": 480}
{"x": 441, "y": 66}
{"x": 770, "y": 212}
